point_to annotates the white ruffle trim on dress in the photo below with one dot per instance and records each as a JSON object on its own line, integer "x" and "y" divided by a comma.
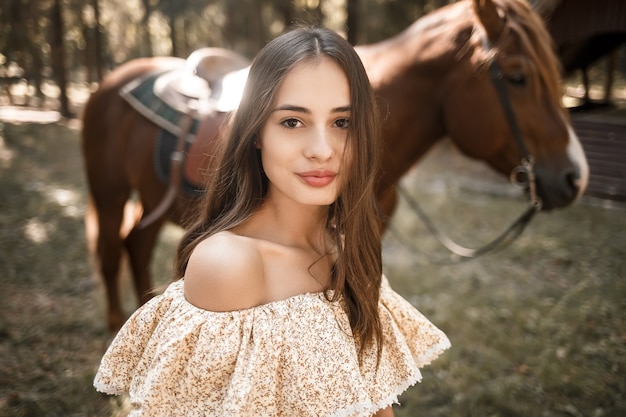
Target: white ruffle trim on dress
{"x": 294, "y": 357}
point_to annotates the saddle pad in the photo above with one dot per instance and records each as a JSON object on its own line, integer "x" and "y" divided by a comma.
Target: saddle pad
{"x": 140, "y": 94}
{"x": 165, "y": 146}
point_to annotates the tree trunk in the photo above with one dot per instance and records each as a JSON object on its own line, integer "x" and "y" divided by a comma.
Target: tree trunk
{"x": 183, "y": 41}
{"x": 35, "y": 52}
{"x": 97, "y": 42}
{"x": 88, "y": 51}
{"x": 611, "y": 61}
{"x": 16, "y": 43}
{"x": 352, "y": 21}
{"x": 230, "y": 26}
{"x": 36, "y": 69}
{"x": 286, "y": 9}
{"x": 145, "y": 29}
{"x": 257, "y": 25}
{"x": 173, "y": 35}
{"x": 58, "y": 56}
{"x": 318, "y": 13}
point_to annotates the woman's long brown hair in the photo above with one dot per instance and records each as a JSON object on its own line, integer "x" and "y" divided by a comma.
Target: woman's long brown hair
{"x": 237, "y": 183}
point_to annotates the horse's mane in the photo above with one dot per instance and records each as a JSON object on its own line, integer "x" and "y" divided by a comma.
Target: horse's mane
{"x": 535, "y": 41}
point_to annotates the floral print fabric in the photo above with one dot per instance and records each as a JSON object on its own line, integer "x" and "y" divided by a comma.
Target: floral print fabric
{"x": 294, "y": 357}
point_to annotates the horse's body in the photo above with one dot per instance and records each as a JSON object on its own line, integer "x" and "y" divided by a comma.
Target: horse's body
{"x": 433, "y": 80}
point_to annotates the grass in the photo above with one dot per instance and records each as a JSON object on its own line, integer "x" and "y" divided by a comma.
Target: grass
{"x": 537, "y": 329}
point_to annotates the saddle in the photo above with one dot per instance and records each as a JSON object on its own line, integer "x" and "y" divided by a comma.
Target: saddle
{"x": 200, "y": 85}
{"x": 189, "y": 104}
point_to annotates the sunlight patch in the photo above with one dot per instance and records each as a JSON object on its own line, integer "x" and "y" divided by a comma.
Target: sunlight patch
{"x": 21, "y": 115}
{"x": 67, "y": 199}
{"x": 36, "y": 231}
{"x": 6, "y": 154}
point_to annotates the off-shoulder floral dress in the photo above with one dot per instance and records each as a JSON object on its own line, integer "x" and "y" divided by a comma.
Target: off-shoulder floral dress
{"x": 293, "y": 357}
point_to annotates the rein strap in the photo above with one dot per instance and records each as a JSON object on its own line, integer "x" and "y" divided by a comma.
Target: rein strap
{"x": 461, "y": 253}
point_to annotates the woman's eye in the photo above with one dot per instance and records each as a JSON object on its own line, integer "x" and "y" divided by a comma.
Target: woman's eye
{"x": 290, "y": 123}
{"x": 342, "y": 123}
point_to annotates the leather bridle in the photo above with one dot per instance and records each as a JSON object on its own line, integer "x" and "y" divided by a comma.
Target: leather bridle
{"x": 527, "y": 164}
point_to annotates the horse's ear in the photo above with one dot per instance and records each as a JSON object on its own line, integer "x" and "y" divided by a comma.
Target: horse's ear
{"x": 490, "y": 18}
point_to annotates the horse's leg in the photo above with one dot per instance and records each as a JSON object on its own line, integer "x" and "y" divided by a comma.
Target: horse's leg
{"x": 140, "y": 245}
{"x": 139, "y": 242}
{"x": 109, "y": 247}
{"x": 109, "y": 192}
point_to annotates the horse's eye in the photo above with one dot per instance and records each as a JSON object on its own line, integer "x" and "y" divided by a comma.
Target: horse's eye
{"x": 518, "y": 80}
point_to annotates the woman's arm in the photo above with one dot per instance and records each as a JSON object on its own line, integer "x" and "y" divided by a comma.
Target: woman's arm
{"x": 387, "y": 412}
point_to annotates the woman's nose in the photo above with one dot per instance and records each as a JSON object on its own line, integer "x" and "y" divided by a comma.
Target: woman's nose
{"x": 319, "y": 146}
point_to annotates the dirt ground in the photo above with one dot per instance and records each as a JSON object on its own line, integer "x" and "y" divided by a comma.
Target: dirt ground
{"x": 538, "y": 329}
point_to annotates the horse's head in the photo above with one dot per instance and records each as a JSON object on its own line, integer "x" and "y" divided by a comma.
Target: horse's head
{"x": 506, "y": 64}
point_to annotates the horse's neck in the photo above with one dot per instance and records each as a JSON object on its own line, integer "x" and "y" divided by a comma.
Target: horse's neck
{"x": 409, "y": 73}
{"x": 427, "y": 48}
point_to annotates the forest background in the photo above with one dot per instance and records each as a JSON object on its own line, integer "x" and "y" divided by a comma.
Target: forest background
{"x": 537, "y": 329}
{"x": 50, "y": 45}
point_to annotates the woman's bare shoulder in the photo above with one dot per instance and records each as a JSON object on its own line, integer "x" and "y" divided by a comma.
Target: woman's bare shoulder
{"x": 225, "y": 273}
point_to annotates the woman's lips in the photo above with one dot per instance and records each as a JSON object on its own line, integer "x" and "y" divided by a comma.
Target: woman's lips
{"x": 318, "y": 178}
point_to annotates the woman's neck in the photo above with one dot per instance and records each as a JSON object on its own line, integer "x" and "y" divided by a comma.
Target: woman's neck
{"x": 290, "y": 224}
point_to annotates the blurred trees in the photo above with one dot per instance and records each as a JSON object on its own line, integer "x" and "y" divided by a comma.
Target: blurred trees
{"x": 57, "y": 52}
{"x": 51, "y": 45}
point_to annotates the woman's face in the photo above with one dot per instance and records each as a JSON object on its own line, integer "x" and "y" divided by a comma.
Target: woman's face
{"x": 303, "y": 141}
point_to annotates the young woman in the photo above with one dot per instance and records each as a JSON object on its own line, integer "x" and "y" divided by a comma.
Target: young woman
{"x": 281, "y": 308}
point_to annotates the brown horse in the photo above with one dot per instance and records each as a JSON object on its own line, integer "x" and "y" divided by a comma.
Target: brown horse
{"x": 482, "y": 73}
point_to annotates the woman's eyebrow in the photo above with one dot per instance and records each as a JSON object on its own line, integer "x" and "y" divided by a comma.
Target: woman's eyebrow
{"x": 300, "y": 109}
{"x": 291, "y": 107}
{"x": 341, "y": 109}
